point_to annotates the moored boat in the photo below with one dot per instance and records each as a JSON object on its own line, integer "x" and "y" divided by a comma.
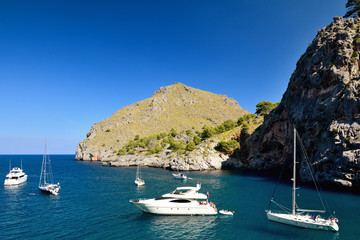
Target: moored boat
{"x": 182, "y": 201}
{"x": 301, "y": 217}
{"x": 179, "y": 175}
{"x": 16, "y": 176}
{"x": 138, "y": 181}
{"x": 46, "y": 182}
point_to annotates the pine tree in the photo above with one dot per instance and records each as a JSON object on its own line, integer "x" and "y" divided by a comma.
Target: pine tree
{"x": 353, "y": 7}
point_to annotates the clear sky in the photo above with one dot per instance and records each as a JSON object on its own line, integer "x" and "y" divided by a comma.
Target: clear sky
{"x": 67, "y": 64}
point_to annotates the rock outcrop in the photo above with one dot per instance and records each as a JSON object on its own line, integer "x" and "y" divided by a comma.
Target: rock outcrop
{"x": 322, "y": 102}
{"x": 172, "y": 107}
{"x": 203, "y": 158}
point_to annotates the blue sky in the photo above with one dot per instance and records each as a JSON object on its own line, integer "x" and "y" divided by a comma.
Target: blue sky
{"x": 65, "y": 65}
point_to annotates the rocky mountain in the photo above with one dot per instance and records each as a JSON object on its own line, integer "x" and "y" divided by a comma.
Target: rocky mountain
{"x": 172, "y": 107}
{"x": 322, "y": 102}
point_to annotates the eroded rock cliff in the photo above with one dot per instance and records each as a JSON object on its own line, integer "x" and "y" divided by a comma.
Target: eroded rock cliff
{"x": 322, "y": 102}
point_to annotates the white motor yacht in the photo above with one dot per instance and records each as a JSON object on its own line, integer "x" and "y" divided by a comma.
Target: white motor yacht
{"x": 182, "y": 201}
{"x": 16, "y": 176}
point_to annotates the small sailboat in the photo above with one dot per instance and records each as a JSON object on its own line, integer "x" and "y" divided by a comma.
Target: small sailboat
{"x": 15, "y": 176}
{"x": 301, "y": 217}
{"x": 138, "y": 180}
{"x": 46, "y": 182}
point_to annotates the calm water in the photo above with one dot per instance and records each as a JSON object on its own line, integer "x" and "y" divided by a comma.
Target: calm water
{"x": 94, "y": 204}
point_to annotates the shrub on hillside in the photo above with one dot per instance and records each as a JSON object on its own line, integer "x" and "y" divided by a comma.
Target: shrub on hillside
{"x": 190, "y": 146}
{"x": 227, "y": 147}
{"x": 208, "y": 132}
{"x": 197, "y": 140}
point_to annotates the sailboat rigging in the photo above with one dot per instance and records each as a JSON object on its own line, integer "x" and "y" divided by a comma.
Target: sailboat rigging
{"x": 46, "y": 182}
{"x": 299, "y": 217}
{"x": 138, "y": 180}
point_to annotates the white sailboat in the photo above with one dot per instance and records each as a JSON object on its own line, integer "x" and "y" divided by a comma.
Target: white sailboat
{"x": 46, "y": 182}
{"x": 301, "y": 217}
{"x": 138, "y": 180}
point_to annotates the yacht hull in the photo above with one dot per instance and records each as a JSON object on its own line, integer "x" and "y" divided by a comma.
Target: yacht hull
{"x": 165, "y": 207}
{"x": 11, "y": 181}
{"x": 303, "y": 221}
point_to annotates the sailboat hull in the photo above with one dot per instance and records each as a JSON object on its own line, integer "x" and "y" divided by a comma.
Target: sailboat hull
{"x": 303, "y": 221}
{"x": 139, "y": 182}
{"x": 50, "y": 189}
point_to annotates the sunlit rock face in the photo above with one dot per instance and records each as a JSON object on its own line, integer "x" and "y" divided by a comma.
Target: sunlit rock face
{"x": 322, "y": 102}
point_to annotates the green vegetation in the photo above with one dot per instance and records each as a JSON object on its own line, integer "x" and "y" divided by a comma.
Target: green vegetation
{"x": 245, "y": 128}
{"x": 227, "y": 147}
{"x": 228, "y": 135}
{"x": 265, "y": 107}
{"x": 334, "y": 133}
{"x": 353, "y": 8}
{"x": 177, "y": 107}
{"x": 181, "y": 144}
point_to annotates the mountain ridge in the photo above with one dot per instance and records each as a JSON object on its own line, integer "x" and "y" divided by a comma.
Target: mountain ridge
{"x": 175, "y": 106}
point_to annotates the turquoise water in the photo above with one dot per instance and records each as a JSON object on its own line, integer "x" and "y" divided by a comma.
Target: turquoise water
{"x": 94, "y": 204}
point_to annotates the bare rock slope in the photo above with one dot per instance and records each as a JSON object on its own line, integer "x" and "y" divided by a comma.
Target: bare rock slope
{"x": 322, "y": 101}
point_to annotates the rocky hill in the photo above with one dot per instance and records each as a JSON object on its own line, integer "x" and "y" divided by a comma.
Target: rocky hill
{"x": 172, "y": 107}
{"x": 322, "y": 102}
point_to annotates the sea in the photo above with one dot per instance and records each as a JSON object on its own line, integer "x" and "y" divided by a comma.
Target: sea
{"x": 94, "y": 204}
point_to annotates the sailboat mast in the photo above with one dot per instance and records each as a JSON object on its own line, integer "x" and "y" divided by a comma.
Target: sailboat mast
{"x": 45, "y": 162}
{"x": 294, "y": 176}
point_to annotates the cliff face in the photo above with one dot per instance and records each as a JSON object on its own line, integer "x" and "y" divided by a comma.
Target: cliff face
{"x": 322, "y": 101}
{"x": 176, "y": 106}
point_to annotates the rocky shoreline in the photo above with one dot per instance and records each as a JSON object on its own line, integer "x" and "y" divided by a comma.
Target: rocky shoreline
{"x": 204, "y": 158}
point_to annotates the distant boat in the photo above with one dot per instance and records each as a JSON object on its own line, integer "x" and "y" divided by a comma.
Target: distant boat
{"x": 138, "y": 180}
{"x": 300, "y": 217}
{"x": 46, "y": 182}
{"x": 16, "y": 176}
{"x": 179, "y": 175}
{"x": 226, "y": 212}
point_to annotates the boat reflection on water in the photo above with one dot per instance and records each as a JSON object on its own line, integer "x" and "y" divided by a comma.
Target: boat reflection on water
{"x": 182, "y": 227}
